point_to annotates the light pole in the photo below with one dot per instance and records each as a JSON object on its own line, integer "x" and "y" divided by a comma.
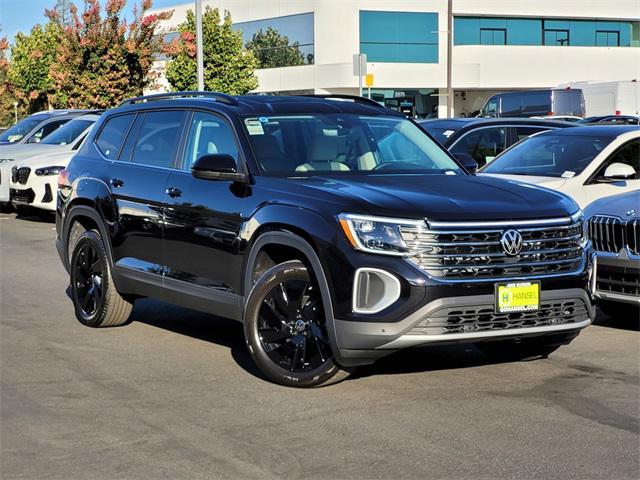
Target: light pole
{"x": 199, "y": 55}
{"x": 15, "y": 111}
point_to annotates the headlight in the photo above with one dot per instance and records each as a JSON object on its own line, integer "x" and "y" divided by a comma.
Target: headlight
{"x": 4, "y": 160}
{"x": 378, "y": 234}
{"x": 49, "y": 170}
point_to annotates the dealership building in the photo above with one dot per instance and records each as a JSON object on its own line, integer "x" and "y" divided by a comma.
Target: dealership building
{"x": 498, "y": 45}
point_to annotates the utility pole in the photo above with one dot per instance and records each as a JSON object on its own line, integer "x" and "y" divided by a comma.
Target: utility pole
{"x": 449, "y": 59}
{"x": 199, "y": 54}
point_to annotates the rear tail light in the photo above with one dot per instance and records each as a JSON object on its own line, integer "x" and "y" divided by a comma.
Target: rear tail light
{"x": 63, "y": 179}
{"x": 618, "y": 112}
{"x": 549, "y": 114}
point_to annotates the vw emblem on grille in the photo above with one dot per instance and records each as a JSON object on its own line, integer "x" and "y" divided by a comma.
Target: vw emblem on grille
{"x": 511, "y": 242}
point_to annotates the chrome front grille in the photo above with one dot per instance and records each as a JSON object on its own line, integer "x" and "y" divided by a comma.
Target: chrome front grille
{"x": 611, "y": 234}
{"x": 477, "y": 253}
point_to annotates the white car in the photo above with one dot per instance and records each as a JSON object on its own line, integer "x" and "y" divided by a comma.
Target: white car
{"x": 66, "y": 138}
{"x": 36, "y": 185}
{"x": 587, "y": 163}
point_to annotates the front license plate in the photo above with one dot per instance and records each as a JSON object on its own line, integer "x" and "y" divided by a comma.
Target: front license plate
{"x": 517, "y": 297}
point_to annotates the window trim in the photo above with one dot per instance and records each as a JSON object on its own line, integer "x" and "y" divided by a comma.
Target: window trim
{"x": 617, "y": 32}
{"x": 555, "y": 30}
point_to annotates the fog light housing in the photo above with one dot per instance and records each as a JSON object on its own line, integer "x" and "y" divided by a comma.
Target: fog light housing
{"x": 374, "y": 290}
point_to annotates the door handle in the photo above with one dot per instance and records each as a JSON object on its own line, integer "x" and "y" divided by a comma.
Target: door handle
{"x": 174, "y": 192}
{"x": 116, "y": 182}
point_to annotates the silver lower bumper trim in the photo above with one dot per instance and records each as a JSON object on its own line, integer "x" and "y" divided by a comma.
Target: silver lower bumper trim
{"x": 413, "y": 340}
{"x": 618, "y": 297}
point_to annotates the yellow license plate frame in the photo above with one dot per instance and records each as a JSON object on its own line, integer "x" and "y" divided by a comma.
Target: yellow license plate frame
{"x": 514, "y": 297}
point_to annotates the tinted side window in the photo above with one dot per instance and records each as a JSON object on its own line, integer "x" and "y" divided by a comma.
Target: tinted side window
{"x": 511, "y": 106}
{"x": 537, "y": 103}
{"x": 524, "y": 132}
{"x": 158, "y": 138}
{"x": 629, "y": 154}
{"x": 483, "y": 145}
{"x": 209, "y": 135}
{"x": 45, "y": 130}
{"x": 112, "y": 135}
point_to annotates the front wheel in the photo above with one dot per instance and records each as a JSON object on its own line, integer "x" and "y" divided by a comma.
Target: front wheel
{"x": 285, "y": 329}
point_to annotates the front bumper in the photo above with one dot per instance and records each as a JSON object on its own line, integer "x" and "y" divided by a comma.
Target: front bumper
{"x": 38, "y": 192}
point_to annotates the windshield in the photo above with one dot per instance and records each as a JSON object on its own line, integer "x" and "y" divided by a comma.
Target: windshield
{"x": 549, "y": 156}
{"x": 67, "y": 133}
{"x": 299, "y": 145}
{"x": 20, "y": 129}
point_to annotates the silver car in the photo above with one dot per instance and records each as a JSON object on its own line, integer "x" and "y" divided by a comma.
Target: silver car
{"x": 614, "y": 229}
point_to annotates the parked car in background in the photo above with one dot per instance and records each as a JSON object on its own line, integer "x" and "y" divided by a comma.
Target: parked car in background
{"x": 532, "y": 103}
{"x": 36, "y": 127}
{"x": 614, "y": 230}
{"x": 609, "y": 98}
{"x": 485, "y": 138}
{"x": 335, "y": 229}
{"x": 612, "y": 120}
{"x": 67, "y": 137}
{"x": 586, "y": 162}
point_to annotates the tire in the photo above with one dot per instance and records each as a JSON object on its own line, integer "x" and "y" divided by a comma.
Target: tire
{"x": 96, "y": 301}
{"x": 284, "y": 328}
{"x": 525, "y": 348}
{"x": 623, "y": 312}
{"x": 24, "y": 210}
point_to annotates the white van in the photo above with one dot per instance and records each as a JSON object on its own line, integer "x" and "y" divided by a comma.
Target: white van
{"x": 610, "y": 98}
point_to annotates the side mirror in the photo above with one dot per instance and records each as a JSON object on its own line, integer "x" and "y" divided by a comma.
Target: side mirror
{"x": 467, "y": 161}
{"x": 218, "y": 166}
{"x": 619, "y": 171}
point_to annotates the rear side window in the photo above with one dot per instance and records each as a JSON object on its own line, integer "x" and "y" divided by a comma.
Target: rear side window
{"x": 112, "y": 135}
{"x": 538, "y": 103}
{"x": 511, "y": 105}
{"x": 158, "y": 138}
{"x": 483, "y": 144}
{"x": 524, "y": 132}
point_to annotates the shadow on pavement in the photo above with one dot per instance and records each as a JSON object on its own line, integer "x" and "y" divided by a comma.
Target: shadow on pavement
{"x": 629, "y": 322}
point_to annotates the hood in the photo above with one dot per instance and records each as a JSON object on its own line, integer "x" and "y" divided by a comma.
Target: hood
{"x": 20, "y": 152}
{"x": 625, "y": 206}
{"x": 554, "y": 183}
{"x": 435, "y": 197}
{"x": 49, "y": 159}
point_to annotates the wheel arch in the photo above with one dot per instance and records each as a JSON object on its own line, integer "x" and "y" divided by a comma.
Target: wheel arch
{"x": 84, "y": 213}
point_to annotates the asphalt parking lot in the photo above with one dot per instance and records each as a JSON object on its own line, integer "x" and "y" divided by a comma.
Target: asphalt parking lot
{"x": 175, "y": 395}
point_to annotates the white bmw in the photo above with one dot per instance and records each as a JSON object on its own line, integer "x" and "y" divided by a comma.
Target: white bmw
{"x": 587, "y": 163}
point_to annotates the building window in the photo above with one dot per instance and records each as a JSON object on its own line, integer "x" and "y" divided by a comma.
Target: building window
{"x": 558, "y": 38}
{"x": 280, "y": 42}
{"x": 402, "y": 37}
{"x": 539, "y": 31}
{"x": 493, "y": 36}
{"x": 606, "y": 38}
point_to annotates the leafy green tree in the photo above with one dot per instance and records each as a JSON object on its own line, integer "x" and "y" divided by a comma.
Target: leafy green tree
{"x": 7, "y": 97}
{"x": 61, "y": 13}
{"x": 228, "y": 66}
{"x": 273, "y": 49}
{"x": 31, "y": 59}
{"x": 100, "y": 61}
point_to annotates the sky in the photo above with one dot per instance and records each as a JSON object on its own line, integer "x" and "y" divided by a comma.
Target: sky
{"x": 21, "y": 15}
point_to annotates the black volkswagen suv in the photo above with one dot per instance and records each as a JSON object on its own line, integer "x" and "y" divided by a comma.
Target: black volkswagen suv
{"x": 336, "y": 230}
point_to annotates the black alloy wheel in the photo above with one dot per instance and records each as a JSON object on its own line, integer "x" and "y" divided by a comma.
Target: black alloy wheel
{"x": 291, "y": 326}
{"x": 87, "y": 286}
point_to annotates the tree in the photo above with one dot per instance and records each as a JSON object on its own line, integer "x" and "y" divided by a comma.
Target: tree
{"x": 228, "y": 66}
{"x": 31, "y": 58}
{"x": 7, "y": 96}
{"x": 61, "y": 13}
{"x": 100, "y": 61}
{"x": 272, "y": 49}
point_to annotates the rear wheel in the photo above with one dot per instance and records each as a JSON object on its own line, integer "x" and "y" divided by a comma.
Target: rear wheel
{"x": 525, "y": 348}
{"x": 285, "y": 329}
{"x": 95, "y": 298}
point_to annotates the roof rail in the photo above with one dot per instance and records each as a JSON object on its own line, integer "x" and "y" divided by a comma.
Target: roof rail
{"x": 218, "y": 97}
{"x": 353, "y": 98}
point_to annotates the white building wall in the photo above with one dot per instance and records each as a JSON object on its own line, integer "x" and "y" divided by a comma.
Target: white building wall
{"x": 336, "y": 25}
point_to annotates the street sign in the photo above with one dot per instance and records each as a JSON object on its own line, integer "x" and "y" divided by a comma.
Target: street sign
{"x": 368, "y": 80}
{"x": 359, "y": 64}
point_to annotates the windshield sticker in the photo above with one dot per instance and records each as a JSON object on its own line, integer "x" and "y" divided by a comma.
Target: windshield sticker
{"x": 447, "y": 133}
{"x": 489, "y": 159}
{"x": 254, "y": 127}
{"x": 568, "y": 174}
{"x": 263, "y": 120}
{"x": 450, "y": 172}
